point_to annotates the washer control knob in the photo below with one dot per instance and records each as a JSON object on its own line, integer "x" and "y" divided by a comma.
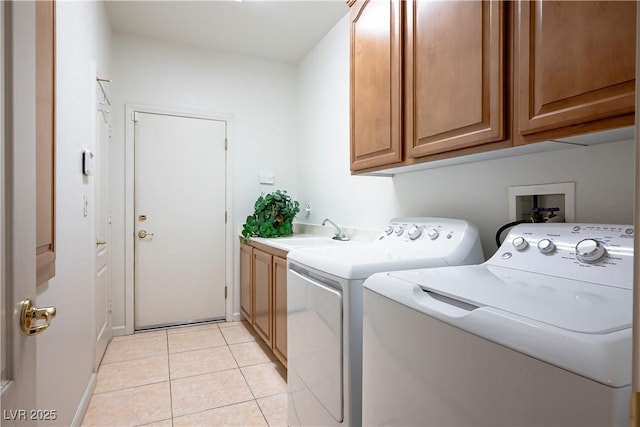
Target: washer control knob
{"x": 389, "y": 229}
{"x": 520, "y": 243}
{"x": 590, "y": 250}
{"x": 415, "y": 232}
{"x": 433, "y": 234}
{"x": 546, "y": 246}
{"x": 399, "y": 230}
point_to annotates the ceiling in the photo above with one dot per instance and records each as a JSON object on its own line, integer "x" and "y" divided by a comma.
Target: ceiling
{"x": 276, "y": 30}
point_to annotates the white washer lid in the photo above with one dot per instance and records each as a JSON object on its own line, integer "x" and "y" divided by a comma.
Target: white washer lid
{"x": 360, "y": 262}
{"x": 572, "y": 305}
{"x": 535, "y": 314}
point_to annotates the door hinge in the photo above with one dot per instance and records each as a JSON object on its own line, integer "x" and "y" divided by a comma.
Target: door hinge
{"x": 134, "y": 116}
{"x": 110, "y": 306}
{"x": 225, "y": 292}
{"x": 226, "y": 144}
{"x": 225, "y": 217}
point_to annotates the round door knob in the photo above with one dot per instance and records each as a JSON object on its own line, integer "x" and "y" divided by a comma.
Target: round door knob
{"x": 144, "y": 233}
{"x": 415, "y": 232}
{"x": 399, "y": 230}
{"x": 546, "y": 246}
{"x": 389, "y": 230}
{"x": 433, "y": 234}
{"x": 520, "y": 243}
{"x": 590, "y": 250}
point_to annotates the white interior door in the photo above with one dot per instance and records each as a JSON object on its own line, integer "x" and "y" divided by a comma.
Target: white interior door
{"x": 180, "y": 256}
{"x": 103, "y": 229}
{"x": 17, "y": 201}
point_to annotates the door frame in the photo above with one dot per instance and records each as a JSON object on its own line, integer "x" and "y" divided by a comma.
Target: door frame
{"x": 99, "y": 164}
{"x": 129, "y": 225}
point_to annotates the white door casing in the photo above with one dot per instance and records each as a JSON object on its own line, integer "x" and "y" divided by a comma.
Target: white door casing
{"x": 102, "y": 211}
{"x": 180, "y": 193}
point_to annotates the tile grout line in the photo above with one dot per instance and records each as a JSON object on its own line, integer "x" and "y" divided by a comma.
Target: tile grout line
{"x": 170, "y": 382}
{"x": 245, "y": 379}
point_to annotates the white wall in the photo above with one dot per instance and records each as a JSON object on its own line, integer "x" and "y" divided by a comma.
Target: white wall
{"x": 604, "y": 174}
{"x": 260, "y": 96}
{"x": 324, "y": 175}
{"x": 66, "y": 350}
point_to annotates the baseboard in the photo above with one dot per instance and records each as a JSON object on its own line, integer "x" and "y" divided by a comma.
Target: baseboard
{"x": 237, "y": 317}
{"x": 118, "y": 331}
{"x": 84, "y": 403}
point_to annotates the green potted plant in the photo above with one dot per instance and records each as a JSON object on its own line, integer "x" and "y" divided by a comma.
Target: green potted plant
{"x": 273, "y": 216}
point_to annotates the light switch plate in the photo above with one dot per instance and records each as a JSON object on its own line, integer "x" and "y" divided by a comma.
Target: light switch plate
{"x": 267, "y": 178}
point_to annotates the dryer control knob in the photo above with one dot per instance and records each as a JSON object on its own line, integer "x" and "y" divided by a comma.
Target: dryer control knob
{"x": 590, "y": 250}
{"x": 546, "y": 246}
{"x": 433, "y": 234}
{"x": 399, "y": 230}
{"x": 520, "y": 243}
{"x": 389, "y": 229}
{"x": 415, "y": 232}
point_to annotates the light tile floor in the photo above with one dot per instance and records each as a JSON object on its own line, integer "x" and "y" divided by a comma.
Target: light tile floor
{"x": 218, "y": 374}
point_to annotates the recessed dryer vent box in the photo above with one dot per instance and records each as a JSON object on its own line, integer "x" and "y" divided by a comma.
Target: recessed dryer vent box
{"x": 561, "y": 195}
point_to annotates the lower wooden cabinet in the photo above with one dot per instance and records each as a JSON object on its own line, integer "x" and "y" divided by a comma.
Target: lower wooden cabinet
{"x": 263, "y": 294}
{"x": 246, "y": 282}
{"x": 280, "y": 309}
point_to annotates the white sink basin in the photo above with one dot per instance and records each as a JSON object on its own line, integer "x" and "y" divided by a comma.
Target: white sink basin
{"x": 301, "y": 242}
{"x": 289, "y": 243}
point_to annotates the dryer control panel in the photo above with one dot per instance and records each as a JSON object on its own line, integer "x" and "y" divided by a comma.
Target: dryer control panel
{"x": 419, "y": 230}
{"x": 598, "y": 253}
{"x": 454, "y": 240}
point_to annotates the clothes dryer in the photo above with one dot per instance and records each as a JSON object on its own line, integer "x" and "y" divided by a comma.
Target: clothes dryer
{"x": 324, "y": 304}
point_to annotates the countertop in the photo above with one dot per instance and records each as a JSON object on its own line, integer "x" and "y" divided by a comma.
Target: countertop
{"x": 303, "y": 240}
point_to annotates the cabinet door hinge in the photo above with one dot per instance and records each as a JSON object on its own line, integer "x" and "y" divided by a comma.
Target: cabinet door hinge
{"x": 134, "y": 116}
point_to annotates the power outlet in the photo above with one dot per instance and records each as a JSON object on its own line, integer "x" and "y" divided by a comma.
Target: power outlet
{"x": 561, "y": 195}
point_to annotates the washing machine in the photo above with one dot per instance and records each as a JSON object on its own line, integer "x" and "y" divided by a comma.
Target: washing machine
{"x": 324, "y": 305}
{"x": 539, "y": 335}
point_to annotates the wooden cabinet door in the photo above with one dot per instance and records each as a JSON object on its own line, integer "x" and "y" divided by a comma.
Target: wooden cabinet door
{"x": 280, "y": 309}
{"x": 262, "y": 303}
{"x": 454, "y": 75}
{"x": 246, "y": 282}
{"x": 574, "y": 63}
{"x": 376, "y": 83}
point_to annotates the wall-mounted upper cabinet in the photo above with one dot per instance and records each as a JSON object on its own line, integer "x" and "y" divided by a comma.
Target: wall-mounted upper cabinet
{"x": 376, "y": 83}
{"x": 454, "y": 75}
{"x": 434, "y": 80}
{"x": 574, "y": 65}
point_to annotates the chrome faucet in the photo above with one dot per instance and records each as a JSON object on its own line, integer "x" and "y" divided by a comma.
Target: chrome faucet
{"x": 339, "y": 235}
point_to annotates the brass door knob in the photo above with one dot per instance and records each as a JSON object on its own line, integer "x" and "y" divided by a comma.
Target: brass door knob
{"x": 30, "y": 315}
{"x": 144, "y": 233}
